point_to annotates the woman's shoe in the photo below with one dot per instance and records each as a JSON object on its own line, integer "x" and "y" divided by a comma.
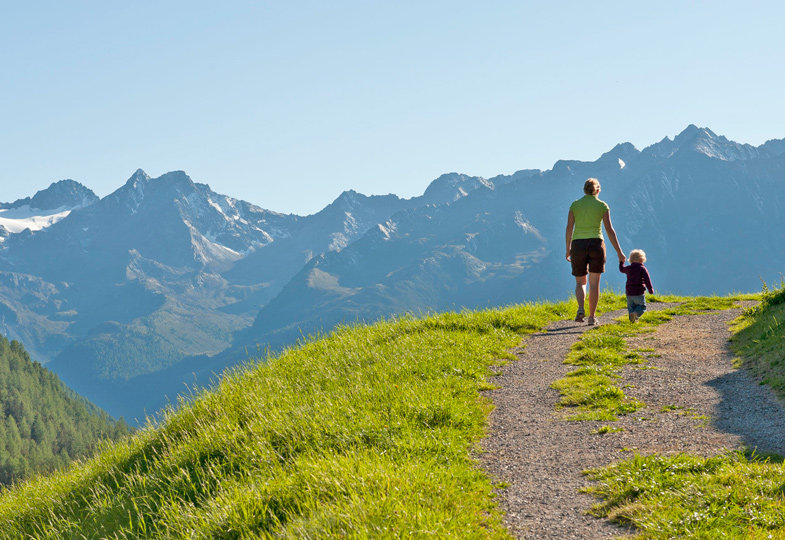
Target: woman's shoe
{"x": 579, "y": 316}
{"x": 592, "y": 321}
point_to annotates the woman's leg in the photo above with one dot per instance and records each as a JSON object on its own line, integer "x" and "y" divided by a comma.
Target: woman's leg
{"x": 594, "y": 291}
{"x": 580, "y": 292}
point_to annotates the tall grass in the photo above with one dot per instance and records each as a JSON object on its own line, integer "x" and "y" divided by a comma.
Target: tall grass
{"x": 682, "y": 496}
{"x": 759, "y": 339}
{"x": 366, "y": 433}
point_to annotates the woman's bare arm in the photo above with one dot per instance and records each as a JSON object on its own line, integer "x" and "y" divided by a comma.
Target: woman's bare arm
{"x": 606, "y": 220}
{"x": 568, "y": 235}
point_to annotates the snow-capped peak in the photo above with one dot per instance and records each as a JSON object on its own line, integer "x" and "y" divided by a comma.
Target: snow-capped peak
{"x": 45, "y": 208}
{"x": 703, "y": 141}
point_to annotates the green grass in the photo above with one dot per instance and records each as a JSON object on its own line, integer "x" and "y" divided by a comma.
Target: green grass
{"x": 710, "y": 300}
{"x": 366, "y": 433}
{"x": 602, "y": 430}
{"x": 668, "y": 408}
{"x": 682, "y": 496}
{"x": 602, "y": 352}
{"x": 591, "y": 388}
{"x": 759, "y": 339}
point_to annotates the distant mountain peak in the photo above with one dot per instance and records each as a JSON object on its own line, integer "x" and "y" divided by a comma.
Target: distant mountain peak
{"x": 45, "y": 208}
{"x": 176, "y": 179}
{"x": 61, "y": 194}
{"x": 138, "y": 176}
{"x": 621, "y": 153}
{"x": 693, "y": 133}
{"x": 140, "y": 185}
{"x": 140, "y": 179}
{"x": 690, "y": 131}
{"x": 346, "y": 201}
{"x": 702, "y": 140}
{"x": 774, "y": 147}
{"x": 349, "y": 195}
{"x": 450, "y": 187}
{"x": 176, "y": 174}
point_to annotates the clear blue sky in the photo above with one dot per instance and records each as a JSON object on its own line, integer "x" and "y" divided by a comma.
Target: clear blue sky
{"x": 285, "y": 104}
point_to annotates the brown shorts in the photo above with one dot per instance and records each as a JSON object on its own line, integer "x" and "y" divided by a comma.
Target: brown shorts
{"x": 587, "y": 252}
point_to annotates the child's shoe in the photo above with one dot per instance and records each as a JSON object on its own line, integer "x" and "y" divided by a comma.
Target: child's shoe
{"x": 579, "y": 316}
{"x": 633, "y": 317}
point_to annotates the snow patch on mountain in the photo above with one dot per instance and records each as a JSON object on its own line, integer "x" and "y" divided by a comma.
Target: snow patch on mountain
{"x": 211, "y": 254}
{"x": 387, "y": 229}
{"x": 16, "y": 220}
{"x": 220, "y": 210}
{"x": 526, "y": 226}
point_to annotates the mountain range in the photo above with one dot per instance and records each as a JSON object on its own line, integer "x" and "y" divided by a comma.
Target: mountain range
{"x": 164, "y": 282}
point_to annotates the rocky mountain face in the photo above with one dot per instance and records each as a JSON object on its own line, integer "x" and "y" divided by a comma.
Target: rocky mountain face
{"x": 165, "y": 282}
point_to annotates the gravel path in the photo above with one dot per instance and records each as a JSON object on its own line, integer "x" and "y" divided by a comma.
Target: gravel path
{"x": 709, "y": 407}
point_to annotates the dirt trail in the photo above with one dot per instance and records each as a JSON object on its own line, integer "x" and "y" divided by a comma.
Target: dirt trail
{"x": 696, "y": 402}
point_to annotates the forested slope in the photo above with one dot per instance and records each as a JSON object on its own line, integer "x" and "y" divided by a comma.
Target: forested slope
{"x": 43, "y": 424}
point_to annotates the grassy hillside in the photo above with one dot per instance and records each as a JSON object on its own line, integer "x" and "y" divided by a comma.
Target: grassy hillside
{"x": 759, "y": 339}
{"x": 368, "y": 432}
{"x": 43, "y": 424}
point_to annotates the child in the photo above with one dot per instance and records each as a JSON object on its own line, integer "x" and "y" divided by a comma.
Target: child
{"x": 637, "y": 279}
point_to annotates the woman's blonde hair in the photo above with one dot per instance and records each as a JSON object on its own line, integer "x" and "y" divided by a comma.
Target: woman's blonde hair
{"x": 591, "y": 186}
{"x": 638, "y": 256}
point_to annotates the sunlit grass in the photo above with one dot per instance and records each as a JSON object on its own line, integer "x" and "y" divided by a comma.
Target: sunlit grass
{"x": 366, "y": 433}
{"x": 603, "y": 430}
{"x": 682, "y": 496}
{"x": 759, "y": 339}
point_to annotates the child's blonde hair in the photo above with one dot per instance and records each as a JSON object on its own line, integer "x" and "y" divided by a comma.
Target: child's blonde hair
{"x": 638, "y": 256}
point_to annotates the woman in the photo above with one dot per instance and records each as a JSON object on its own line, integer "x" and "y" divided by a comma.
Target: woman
{"x": 586, "y": 248}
